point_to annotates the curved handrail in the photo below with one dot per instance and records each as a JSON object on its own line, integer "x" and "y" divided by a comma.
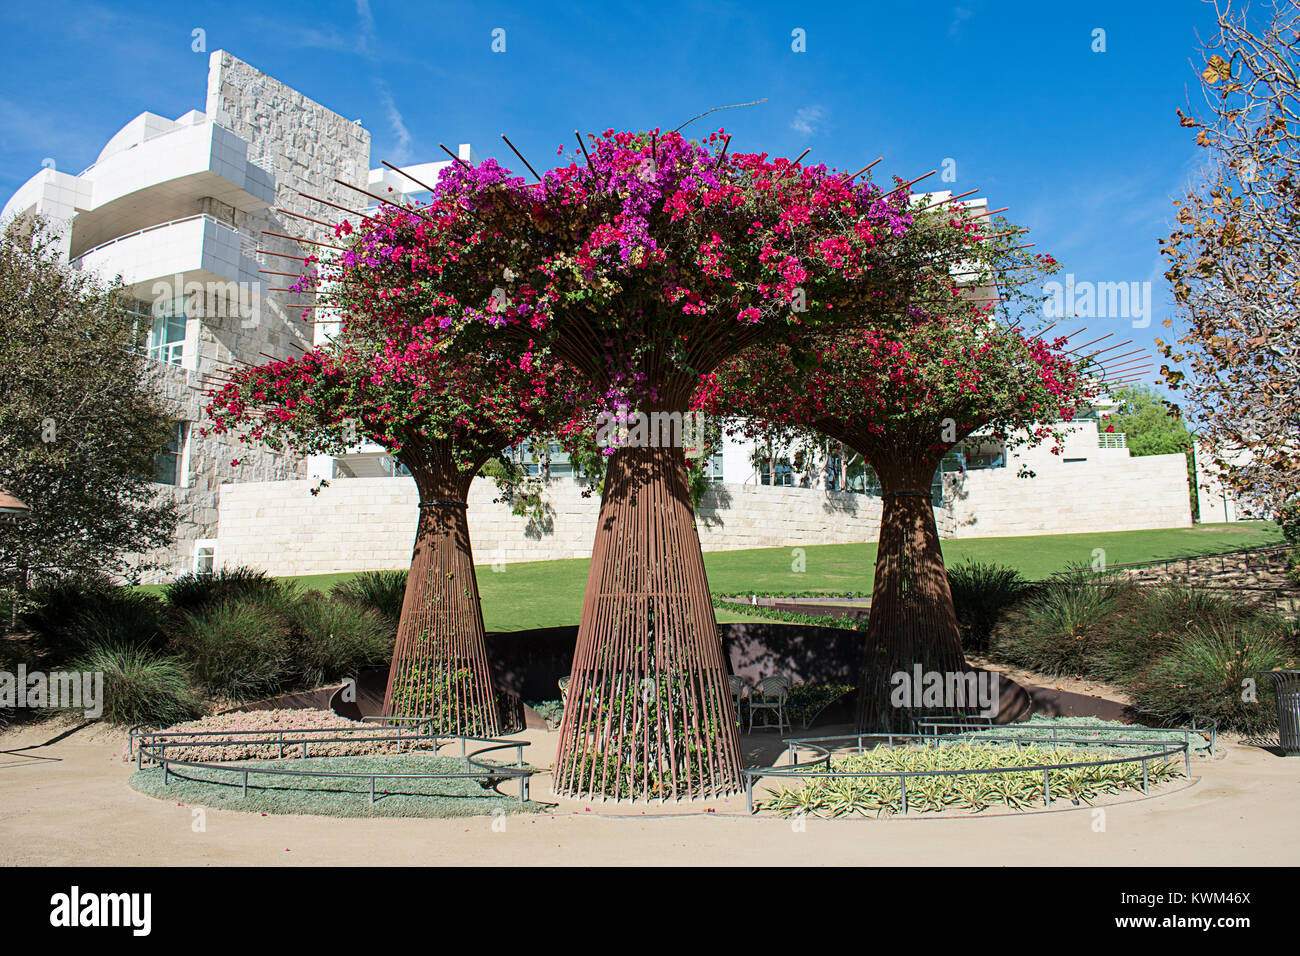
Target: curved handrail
{"x": 153, "y": 745}
{"x": 76, "y": 261}
{"x": 925, "y": 724}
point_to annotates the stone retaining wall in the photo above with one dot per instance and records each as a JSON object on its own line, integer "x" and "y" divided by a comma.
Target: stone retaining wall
{"x": 369, "y": 523}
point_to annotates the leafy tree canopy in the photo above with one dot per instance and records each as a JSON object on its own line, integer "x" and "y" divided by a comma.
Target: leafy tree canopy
{"x": 1151, "y": 427}
{"x": 81, "y": 420}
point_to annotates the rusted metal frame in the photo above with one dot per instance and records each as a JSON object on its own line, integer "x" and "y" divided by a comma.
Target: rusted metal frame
{"x": 441, "y": 624}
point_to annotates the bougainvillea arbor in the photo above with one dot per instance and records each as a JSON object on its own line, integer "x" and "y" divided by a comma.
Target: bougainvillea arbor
{"x": 645, "y": 263}
{"x": 401, "y": 373}
{"x": 903, "y": 399}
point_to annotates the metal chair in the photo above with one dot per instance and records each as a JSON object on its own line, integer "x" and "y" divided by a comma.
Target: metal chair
{"x": 770, "y": 695}
{"x": 738, "y": 689}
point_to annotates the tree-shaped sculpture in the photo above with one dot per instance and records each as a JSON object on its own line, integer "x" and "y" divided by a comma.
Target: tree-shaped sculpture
{"x": 661, "y": 259}
{"x": 400, "y": 374}
{"x": 902, "y": 399}
{"x": 643, "y": 264}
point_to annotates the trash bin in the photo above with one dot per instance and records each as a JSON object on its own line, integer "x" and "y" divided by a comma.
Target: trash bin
{"x": 1287, "y": 686}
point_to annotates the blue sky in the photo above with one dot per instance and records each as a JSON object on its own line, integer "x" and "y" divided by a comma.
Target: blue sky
{"x": 1084, "y": 147}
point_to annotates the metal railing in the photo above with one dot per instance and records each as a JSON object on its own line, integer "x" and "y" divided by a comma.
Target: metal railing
{"x": 76, "y": 262}
{"x": 167, "y": 132}
{"x": 801, "y": 772}
{"x": 1186, "y": 559}
{"x": 152, "y": 745}
{"x": 973, "y": 725}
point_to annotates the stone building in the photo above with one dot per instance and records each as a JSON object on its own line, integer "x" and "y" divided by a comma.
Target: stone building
{"x": 192, "y": 215}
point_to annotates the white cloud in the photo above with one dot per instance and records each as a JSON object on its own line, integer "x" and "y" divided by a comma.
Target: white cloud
{"x": 366, "y": 40}
{"x": 807, "y": 120}
{"x": 959, "y": 16}
{"x": 402, "y": 135}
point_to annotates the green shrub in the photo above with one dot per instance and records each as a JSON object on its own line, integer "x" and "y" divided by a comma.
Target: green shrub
{"x": 792, "y": 617}
{"x": 333, "y": 639}
{"x": 1152, "y": 620}
{"x": 1287, "y": 517}
{"x": 70, "y": 616}
{"x": 806, "y": 701}
{"x": 1202, "y": 676}
{"x": 982, "y": 593}
{"x": 195, "y": 592}
{"x": 237, "y": 648}
{"x": 140, "y": 687}
{"x": 1293, "y": 565}
{"x": 52, "y": 605}
{"x": 1059, "y": 628}
{"x": 132, "y": 619}
{"x": 380, "y": 591}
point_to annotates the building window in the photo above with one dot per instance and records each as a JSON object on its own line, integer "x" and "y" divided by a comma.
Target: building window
{"x": 538, "y": 461}
{"x": 713, "y": 466}
{"x": 205, "y": 557}
{"x": 165, "y": 322}
{"x": 776, "y": 472}
{"x": 393, "y": 468}
{"x": 167, "y": 463}
{"x": 869, "y": 484}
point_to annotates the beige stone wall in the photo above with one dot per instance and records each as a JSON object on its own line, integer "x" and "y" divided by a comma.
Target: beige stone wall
{"x": 1118, "y": 494}
{"x": 369, "y": 523}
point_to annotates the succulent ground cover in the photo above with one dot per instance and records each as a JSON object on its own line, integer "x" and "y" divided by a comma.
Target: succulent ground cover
{"x": 834, "y": 796}
{"x": 340, "y": 796}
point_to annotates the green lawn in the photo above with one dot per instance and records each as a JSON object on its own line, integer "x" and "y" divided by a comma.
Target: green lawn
{"x": 549, "y": 593}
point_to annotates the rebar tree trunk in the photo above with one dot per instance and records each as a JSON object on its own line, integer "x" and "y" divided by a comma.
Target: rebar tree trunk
{"x": 649, "y": 712}
{"x": 440, "y": 667}
{"x": 912, "y": 620}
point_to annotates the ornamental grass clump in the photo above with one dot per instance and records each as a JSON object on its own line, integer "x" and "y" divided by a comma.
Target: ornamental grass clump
{"x": 1154, "y": 620}
{"x": 334, "y": 639}
{"x": 74, "y": 614}
{"x": 981, "y": 593}
{"x": 194, "y": 592}
{"x": 1060, "y": 629}
{"x": 833, "y": 796}
{"x": 380, "y": 591}
{"x": 140, "y": 687}
{"x": 238, "y": 648}
{"x": 1216, "y": 673}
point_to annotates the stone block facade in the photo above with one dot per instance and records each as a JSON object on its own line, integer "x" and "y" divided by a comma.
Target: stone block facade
{"x": 369, "y": 523}
{"x": 1116, "y": 494}
{"x": 303, "y": 146}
